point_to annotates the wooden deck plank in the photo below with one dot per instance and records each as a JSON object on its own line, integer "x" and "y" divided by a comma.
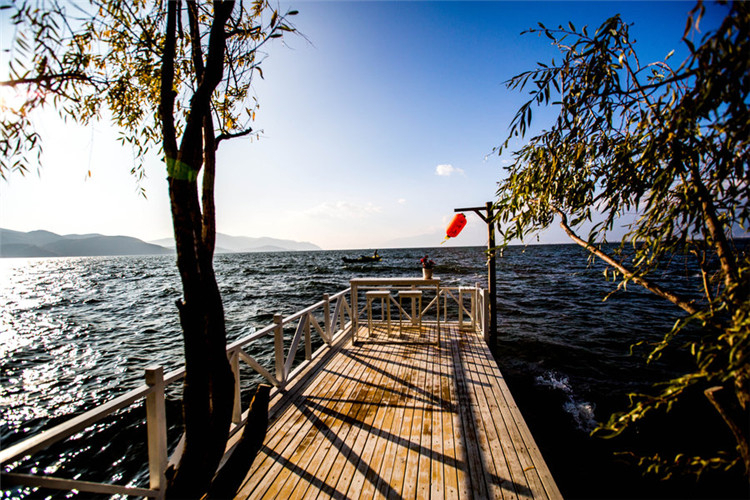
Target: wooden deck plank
{"x": 282, "y": 440}
{"x": 333, "y": 422}
{"x": 490, "y": 445}
{"x": 405, "y": 448}
{"x": 450, "y": 463}
{"x": 377, "y": 359}
{"x": 416, "y": 483}
{"x": 506, "y": 477}
{"x": 476, "y": 472}
{"x": 395, "y": 420}
{"x": 309, "y": 408}
{"x": 367, "y": 402}
{"x": 509, "y": 466}
{"x": 437, "y": 482}
{"x": 401, "y": 443}
{"x": 369, "y": 462}
{"x": 463, "y": 483}
{"x": 337, "y": 366}
{"x": 391, "y": 417}
{"x": 298, "y": 424}
{"x": 525, "y": 448}
{"x": 419, "y": 463}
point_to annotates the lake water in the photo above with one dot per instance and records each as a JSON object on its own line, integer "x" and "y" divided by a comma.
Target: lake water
{"x": 75, "y": 332}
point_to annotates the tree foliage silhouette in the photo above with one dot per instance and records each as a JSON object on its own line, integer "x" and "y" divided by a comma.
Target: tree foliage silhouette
{"x": 671, "y": 145}
{"x": 175, "y": 77}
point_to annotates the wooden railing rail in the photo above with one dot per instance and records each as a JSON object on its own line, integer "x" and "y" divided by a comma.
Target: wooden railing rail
{"x": 306, "y": 324}
{"x": 474, "y": 293}
{"x": 153, "y": 391}
{"x": 240, "y": 343}
{"x": 333, "y": 327}
{"x": 446, "y": 292}
{"x": 340, "y": 310}
{"x": 478, "y": 315}
{"x": 72, "y": 426}
{"x": 483, "y": 310}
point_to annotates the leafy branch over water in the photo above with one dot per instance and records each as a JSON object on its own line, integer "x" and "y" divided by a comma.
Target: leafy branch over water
{"x": 669, "y": 144}
{"x": 172, "y": 76}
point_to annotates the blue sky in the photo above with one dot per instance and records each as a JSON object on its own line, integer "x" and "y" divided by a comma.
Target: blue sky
{"x": 377, "y": 124}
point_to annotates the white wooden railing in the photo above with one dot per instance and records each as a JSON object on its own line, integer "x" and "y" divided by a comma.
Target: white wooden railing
{"x": 475, "y": 312}
{"x": 316, "y": 319}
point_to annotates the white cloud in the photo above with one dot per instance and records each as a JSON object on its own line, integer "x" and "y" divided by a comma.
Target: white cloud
{"x": 343, "y": 210}
{"x": 446, "y": 169}
{"x": 402, "y": 201}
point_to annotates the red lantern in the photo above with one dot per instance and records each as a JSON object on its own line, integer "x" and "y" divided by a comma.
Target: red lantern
{"x": 456, "y": 225}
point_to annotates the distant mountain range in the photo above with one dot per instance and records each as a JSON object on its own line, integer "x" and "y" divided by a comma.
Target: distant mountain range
{"x": 48, "y": 244}
{"x": 241, "y": 244}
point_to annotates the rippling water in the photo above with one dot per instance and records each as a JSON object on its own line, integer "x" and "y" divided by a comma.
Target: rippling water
{"x": 75, "y": 332}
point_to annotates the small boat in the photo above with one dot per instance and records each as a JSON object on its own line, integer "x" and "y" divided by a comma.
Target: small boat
{"x": 362, "y": 259}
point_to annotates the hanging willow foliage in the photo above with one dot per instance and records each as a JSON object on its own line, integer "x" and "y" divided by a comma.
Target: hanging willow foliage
{"x": 173, "y": 76}
{"x": 670, "y": 144}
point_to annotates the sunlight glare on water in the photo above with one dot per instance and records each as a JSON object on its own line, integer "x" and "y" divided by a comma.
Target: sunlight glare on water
{"x": 77, "y": 332}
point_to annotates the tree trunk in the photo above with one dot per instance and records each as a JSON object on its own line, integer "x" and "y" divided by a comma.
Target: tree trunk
{"x": 232, "y": 474}
{"x": 209, "y": 382}
{"x": 736, "y": 417}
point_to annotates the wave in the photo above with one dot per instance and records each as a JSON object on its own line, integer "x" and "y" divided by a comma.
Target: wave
{"x": 560, "y": 345}
{"x": 580, "y": 410}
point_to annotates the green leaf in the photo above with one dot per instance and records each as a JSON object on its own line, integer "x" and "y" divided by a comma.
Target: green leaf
{"x": 666, "y": 146}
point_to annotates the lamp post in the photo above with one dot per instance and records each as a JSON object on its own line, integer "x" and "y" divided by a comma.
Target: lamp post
{"x": 488, "y": 218}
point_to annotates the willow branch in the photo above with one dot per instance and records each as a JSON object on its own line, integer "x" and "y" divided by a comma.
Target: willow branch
{"x": 735, "y": 417}
{"x": 228, "y": 135}
{"x": 212, "y": 75}
{"x": 46, "y": 80}
{"x": 686, "y": 305}
{"x": 167, "y": 93}
{"x": 701, "y": 256}
{"x": 254, "y": 31}
{"x": 209, "y": 175}
{"x": 719, "y": 239}
{"x": 195, "y": 39}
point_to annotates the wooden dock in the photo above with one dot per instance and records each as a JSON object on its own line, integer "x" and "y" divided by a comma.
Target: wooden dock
{"x": 400, "y": 420}
{"x": 415, "y": 408}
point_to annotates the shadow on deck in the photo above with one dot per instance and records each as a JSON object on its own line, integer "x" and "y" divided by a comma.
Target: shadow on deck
{"x": 401, "y": 420}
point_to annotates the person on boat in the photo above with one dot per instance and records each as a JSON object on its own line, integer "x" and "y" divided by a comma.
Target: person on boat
{"x": 375, "y": 255}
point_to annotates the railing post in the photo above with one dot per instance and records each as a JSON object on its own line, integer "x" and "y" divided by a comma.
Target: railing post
{"x": 156, "y": 424}
{"x": 445, "y": 304}
{"x": 460, "y": 302}
{"x": 354, "y": 304}
{"x": 477, "y": 292}
{"x": 342, "y": 312}
{"x": 486, "y": 315}
{"x": 308, "y": 342}
{"x": 234, "y": 362}
{"x": 327, "y": 319}
{"x": 278, "y": 347}
{"x": 414, "y": 308}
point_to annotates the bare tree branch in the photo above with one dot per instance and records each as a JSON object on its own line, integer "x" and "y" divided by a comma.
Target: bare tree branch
{"x": 687, "y": 305}
{"x": 226, "y": 135}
